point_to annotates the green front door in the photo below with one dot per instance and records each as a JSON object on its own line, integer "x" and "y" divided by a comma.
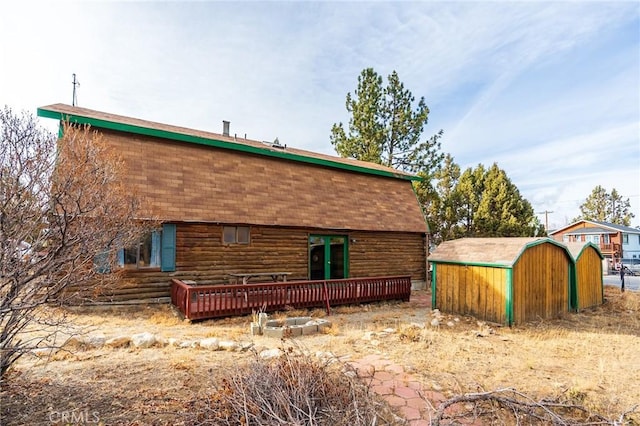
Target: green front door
{"x": 328, "y": 257}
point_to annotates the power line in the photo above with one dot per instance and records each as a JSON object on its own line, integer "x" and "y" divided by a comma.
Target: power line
{"x": 546, "y": 219}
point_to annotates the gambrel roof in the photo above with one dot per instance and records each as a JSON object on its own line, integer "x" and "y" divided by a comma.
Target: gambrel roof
{"x": 195, "y": 176}
{"x": 498, "y": 252}
{"x": 576, "y": 248}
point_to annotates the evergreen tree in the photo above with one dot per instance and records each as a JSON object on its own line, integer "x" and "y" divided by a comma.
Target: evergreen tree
{"x": 492, "y": 206}
{"x": 444, "y": 211}
{"x": 603, "y": 206}
{"x": 384, "y": 127}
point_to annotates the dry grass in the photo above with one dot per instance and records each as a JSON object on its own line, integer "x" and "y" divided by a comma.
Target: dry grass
{"x": 590, "y": 358}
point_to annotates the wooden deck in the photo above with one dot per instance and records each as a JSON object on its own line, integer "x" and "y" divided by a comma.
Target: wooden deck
{"x": 203, "y": 302}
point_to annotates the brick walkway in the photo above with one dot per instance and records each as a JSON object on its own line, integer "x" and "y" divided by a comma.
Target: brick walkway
{"x": 398, "y": 388}
{"x": 402, "y": 391}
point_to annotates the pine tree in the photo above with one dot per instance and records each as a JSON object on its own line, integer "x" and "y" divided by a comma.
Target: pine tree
{"x": 384, "y": 127}
{"x": 603, "y": 206}
{"x": 492, "y": 206}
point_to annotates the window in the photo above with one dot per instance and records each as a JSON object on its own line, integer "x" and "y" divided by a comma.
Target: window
{"x": 145, "y": 254}
{"x": 235, "y": 234}
{"x": 625, "y": 238}
{"x": 565, "y": 238}
{"x": 593, "y": 239}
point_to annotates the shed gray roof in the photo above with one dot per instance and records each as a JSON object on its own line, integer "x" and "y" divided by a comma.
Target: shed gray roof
{"x": 485, "y": 251}
{"x": 576, "y": 248}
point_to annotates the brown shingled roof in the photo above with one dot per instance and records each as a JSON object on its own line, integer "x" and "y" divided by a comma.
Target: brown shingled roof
{"x": 181, "y": 181}
{"x": 69, "y": 110}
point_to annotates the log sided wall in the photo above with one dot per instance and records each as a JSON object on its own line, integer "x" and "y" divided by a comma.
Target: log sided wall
{"x": 202, "y": 257}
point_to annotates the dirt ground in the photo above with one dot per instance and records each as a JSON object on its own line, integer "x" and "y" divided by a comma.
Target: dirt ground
{"x": 591, "y": 358}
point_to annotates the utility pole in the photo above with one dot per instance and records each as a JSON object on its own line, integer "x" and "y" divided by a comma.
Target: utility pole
{"x": 75, "y": 83}
{"x": 546, "y": 219}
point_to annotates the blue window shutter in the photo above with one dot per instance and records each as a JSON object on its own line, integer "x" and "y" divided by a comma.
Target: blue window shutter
{"x": 121, "y": 257}
{"x": 168, "y": 247}
{"x": 101, "y": 263}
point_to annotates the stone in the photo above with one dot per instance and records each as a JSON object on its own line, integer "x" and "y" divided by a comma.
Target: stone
{"x": 271, "y": 353}
{"x": 276, "y": 332}
{"x": 309, "y": 328}
{"x": 369, "y": 335}
{"x": 450, "y": 323}
{"x": 143, "y": 340}
{"x": 212, "y": 344}
{"x": 172, "y": 341}
{"x": 118, "y": 342}
{"x": 435, "y": 322}
{"x": 228, "y": 345}
{"x": 95, "y": 341}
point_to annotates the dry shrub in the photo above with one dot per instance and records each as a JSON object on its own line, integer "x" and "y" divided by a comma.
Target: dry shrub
{"x": 294, "y": 389}
{"x": 164, "y": 319}
{"x": 630, "y": 301}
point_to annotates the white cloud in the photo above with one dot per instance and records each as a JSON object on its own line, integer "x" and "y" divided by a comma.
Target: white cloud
{"x": 549, "y": 90}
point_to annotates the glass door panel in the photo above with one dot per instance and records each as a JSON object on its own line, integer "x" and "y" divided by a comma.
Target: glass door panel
{"x": 328, "y": 257}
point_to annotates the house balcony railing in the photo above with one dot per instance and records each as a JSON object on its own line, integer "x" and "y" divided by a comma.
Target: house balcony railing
{"x": 198, "y": 302}
{"x": 610, "y": 248}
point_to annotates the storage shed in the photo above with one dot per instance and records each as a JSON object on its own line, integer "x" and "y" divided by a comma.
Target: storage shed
{"x": 586, "y": 284}
{"x": 504, "y": 280}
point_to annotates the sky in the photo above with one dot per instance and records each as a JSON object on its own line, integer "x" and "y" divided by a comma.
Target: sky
{"x": 548, "y": 90}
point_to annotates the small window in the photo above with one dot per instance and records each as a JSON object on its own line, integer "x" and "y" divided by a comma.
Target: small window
{"x": 565, "y": 238}
{"x": 235, "y": 234}
{"x": 145, "y": 254}
{"x": 625, "y": 238}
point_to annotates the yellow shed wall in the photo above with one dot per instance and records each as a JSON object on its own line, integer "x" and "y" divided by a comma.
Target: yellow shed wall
{"x": 540, "y": 283}
{"x": 472, "y": 290}
{"x": 589, "y": 279}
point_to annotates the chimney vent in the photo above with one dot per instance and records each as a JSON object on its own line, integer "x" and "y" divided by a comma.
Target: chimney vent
{"x": 225, "y": 127}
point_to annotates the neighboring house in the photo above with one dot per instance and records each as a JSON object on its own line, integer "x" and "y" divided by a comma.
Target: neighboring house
{"x": 616, "y": 242}
{"x": 230, "y": 205}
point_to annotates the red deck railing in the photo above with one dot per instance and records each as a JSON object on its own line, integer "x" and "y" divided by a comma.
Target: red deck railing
{"x": 202, "y": 302}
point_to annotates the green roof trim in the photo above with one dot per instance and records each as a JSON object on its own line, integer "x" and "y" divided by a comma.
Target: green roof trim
{"x": 543, "y": 241}
{"x": 590, "y": 244}
{"x": 216, "y": 143}
{"x": 509, "y": 298}
{"x": 433, "y": 286}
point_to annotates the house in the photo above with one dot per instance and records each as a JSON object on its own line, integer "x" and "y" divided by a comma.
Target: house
{"x": 230, "y": 205}
{"x": 503, "y": 280}
{"x": 587, "y": 288}
{"x": 616, "y": 242}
